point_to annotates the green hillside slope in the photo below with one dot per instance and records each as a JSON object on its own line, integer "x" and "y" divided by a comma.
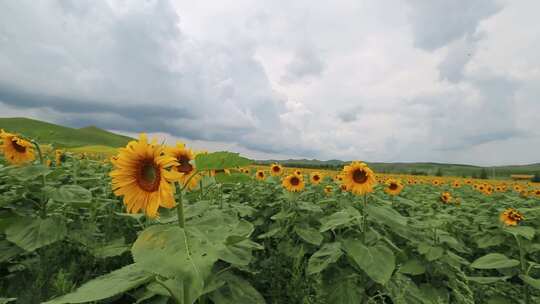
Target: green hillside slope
{"x": 61, "y": 136}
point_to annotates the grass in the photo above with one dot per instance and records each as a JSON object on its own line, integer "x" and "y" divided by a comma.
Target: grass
{"x": 60, "y": 136}
{"x": 95, "y": 149}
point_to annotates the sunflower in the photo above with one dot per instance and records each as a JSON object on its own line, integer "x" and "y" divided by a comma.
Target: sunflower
{"x": 142, "y": 177}
{"x": 343, "y": 187}
{"x": 436, "y": 182}
{"x": 446, "y": 197}
{"x": 244, "y": 170}
{"x": 328, "y": 190}
{"x": 276, "y": 169}
{"x": 456, "y": 184}
{"x": 48, "y": 163}
{"x": 393, "y": 186}
{"x": 536, "y": 192}
{"x": 297, "y": 172}
{"x": 220, "y": 171}
{"x": 511, "y": 217}
{"x": 184, "y": 157}
{"x": 15, "y": 149}
{"x": 260, "y": 175}
{"x": 59, "y": 157}
{"x": 293, "y": 183}
{"x": 316, "y": 178}
{"x": 524, "y": 194}
{"x": 518, "y": 188}
{"x": 338, "y": 178}
{"x": 468, "y": 181}
{"x": 358, "y": 178}
{"x": 488, "y": 189}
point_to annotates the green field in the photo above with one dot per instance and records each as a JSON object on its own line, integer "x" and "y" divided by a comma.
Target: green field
{"x": 419, "y": 168}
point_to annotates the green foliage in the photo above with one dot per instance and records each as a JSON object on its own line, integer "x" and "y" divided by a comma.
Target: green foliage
{"x": 106, "y": 286}
{"x": 65, "y": 234}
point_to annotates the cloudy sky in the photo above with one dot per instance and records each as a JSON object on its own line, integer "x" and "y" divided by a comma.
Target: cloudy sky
{"x": 380, "y": 80}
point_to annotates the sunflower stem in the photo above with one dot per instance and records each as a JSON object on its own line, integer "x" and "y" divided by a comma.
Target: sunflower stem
{"x": 43, "y": 211}
{"x": 523, "y": 270}
{"x": 364, "y": 220}
{"x": 180, "y": 211}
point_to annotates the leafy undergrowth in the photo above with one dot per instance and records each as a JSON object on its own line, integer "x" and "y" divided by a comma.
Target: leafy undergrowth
{"x": 65, "y": 238}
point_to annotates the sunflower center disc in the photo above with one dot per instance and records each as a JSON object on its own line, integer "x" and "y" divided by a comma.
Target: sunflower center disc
{"x": 17, "y": 147}
{"x": 393, "y": 186}
{"x": 316, "y": 178}
{"x": 185, "y": 166}
{"x": 360, "y": 176}
{"x": 149, "y": 177}
{"x": 295, "y": 181}
{"x": 275, "y": 169}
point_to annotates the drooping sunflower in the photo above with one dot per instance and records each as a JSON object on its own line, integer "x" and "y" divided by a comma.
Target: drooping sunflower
{"x": 184, "y": 157}
{"x": 393, "y": 186}
{"x": 276, "y": 169}
{"x": 316, "y": 178}
{"x": 446, "y": 197}
{"x": 142, "y": 177}
{"x": 293, "y": 183}
{"x": 511, "y": 217}
{"x": 260, "y": 175}
{"x": 15, "y": 149}
{"x": 59, "y": 157}
{"x": 358, "y": 178}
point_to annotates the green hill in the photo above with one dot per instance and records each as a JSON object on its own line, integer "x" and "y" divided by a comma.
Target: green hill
{"x": 61, "y": 136}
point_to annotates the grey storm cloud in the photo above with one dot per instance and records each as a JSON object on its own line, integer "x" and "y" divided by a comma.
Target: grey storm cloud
{"x": 438, "y": 22}
{"x": 306, "y": 63}
{"x": 130, "y": 69}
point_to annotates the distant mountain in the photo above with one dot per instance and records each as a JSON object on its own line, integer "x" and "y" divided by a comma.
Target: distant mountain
{"x": 61, "y": 136}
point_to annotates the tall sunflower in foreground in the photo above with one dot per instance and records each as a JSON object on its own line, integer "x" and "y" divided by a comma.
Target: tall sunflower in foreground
{"x": 358, "y": 178}
{"x": 511, "y": 217}
{"x": 293, "y": 183}
{"x": 15, "y": 149}
{"x": 184, "y": 157}
{"x": 142, "y": 177}
{"x": 393, "y": 186}
{"x": 276, "y": 169}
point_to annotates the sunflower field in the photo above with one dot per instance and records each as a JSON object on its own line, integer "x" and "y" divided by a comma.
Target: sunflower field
{"x": 165, "y": 224}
